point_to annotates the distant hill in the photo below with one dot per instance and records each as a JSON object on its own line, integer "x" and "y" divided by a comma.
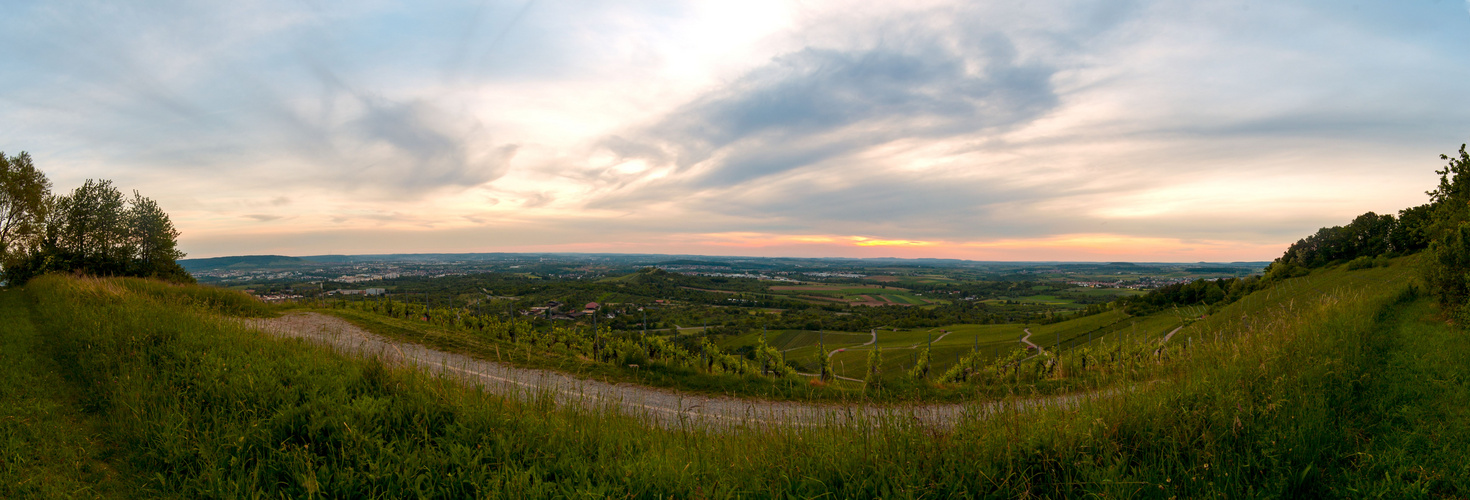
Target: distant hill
{"x": 250, "y": 261}
{"x": 692, "y": 262}
{"x": 239, "y": 261}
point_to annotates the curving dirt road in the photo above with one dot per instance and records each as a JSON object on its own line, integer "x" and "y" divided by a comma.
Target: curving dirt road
{"x": 1164, "y": 342}
{"x": 865, "y": 344}
{"x": 656, "y": 406}
{"x": 1027, "y": 340}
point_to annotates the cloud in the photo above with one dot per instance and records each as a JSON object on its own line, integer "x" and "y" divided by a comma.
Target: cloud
{"x": 899, "y": 122}
{"x": 814, "y": 104}
{"x": 185, "y": 87}
{"x": 534, "y": 200}
{"x": 413, "y": 148}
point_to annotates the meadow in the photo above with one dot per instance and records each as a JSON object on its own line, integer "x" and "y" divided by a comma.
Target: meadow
{"x": 1342, "y": 384}
{"x": 871, "y": 295}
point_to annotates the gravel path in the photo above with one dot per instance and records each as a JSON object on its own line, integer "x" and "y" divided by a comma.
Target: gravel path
{"x": 865, "y": 344}
{"x": 1027, "y": 340}
{"x": 1166, "y": 340}
{"x": 657, "y": 406}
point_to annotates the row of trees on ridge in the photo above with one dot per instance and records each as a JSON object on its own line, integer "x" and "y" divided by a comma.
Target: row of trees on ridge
{"x": 95, "y": 229}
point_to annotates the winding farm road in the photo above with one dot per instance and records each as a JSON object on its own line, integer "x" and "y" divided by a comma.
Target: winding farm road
{"x": 941, "y": 337}
{"x": 865, "y": 344}
{"x": 660, "y": 407}
{"x": 1166, "y": 340}
{"x": 1027, "y": 340}
{"x": 1171, "y": 334}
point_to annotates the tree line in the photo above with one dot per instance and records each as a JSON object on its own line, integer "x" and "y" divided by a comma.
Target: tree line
{"x": 1440, "y": 228}
{"x": 94, "y": 229}
{"x": 1368, "y": 236}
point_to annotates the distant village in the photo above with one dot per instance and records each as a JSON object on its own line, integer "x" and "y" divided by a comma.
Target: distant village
{"x": 1143, "y": 283}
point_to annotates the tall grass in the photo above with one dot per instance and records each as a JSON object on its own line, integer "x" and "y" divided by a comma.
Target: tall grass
{"x": 207, "y": 409}
{"x": 48, "y": 447}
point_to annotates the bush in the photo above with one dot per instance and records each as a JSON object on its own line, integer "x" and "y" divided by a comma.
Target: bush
{"x": 1363, "y": 262}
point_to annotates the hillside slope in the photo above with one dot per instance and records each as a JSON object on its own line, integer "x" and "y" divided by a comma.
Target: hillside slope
{"x": 1348, "y": 392}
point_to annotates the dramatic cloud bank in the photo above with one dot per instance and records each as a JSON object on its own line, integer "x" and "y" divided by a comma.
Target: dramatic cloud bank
{"x": 1141, "y": 130}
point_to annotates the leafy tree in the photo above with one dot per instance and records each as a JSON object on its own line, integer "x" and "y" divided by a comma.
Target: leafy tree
{"x": 1448, "y": 270}
{"x": 24, "y": 191}
{"x": 1369, "y": 234}
{"x": 1213, "y": 295}
{"x": 1451, "y": 200}
{"x": 1411, "y": 234}
{"x": 93, "y": 229}
{"x": 154, "y": 241}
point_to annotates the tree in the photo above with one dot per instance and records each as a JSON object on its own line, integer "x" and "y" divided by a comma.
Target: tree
{"x": 1411, "y": 233}
{"x": 1448, "y": 270}
{"x": 24, "y": 192}
{"x": 1213, "y": 294}
{"x": 93, "y": 234}
{"x": 154, "y": 241}
{"x": 93, "y": 229}
{"x": 1451, "y": 200}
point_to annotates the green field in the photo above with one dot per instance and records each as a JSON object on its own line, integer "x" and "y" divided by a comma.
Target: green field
{"x": 1294, "y": 292}
{"x": 872, "y": 294}
{"x": 793, "y": 339}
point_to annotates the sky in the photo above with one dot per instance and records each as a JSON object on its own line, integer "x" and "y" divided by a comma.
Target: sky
{"x": 1158, "y": 131}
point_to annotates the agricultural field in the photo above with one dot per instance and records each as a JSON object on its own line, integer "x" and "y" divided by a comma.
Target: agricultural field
{"x": 911, "y": 279}
{"x": 950, "y": 343}
{"x": 1112, "y": 327}
{"x": 1070, "y": 299}
{"x": 870, "y": 295}
{"x": 787, "y": 340}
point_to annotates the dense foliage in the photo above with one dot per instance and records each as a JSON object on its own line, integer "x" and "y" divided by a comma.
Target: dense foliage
{"x": 1447, "y": 271}
{"x": 94, "y": 230}
{"x": 23, "y": 196}
{"x": 1198, "y": 292}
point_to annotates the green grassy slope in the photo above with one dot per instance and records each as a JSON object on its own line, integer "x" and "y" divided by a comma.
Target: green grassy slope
{"x": 1354, "y": 392}
{"x": 1288, "y": 293}
{"x": 49, "y": 446}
